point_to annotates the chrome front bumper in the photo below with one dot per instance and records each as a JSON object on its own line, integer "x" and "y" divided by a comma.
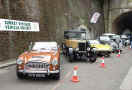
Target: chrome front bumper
{"x": 40, "y": 72}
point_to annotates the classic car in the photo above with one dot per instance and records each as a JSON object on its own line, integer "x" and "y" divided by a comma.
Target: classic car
{"x": 75, "y": 45}
{"x": 41, "y": 60}
{"x": 113, "y": 40}
{"x": 101, "y": 48}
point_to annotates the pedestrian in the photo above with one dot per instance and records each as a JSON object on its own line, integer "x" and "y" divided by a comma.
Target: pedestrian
{"x": 130, "y": 41}
{"x": 120, "y": 44}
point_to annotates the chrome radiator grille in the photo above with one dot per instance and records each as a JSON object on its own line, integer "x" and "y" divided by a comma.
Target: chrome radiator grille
{"x": 81, "y": 46}
{"x": 39, "y": 65}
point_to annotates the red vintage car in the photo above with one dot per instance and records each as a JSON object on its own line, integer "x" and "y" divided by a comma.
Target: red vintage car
{"x": 41, "y": 60}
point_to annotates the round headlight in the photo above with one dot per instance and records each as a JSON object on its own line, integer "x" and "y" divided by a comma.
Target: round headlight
{"x": 77, "y": 49}
{"x": 88, "y": 49}
{"x": 54, "y": 62}
{"x": 19, "y": 61}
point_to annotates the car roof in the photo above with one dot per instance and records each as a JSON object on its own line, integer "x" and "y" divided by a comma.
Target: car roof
{"x": 124, "y": 36}
{"x": 93, "y": 40}
{"x": 75, "y": 30}
{"x": 109, "y": 34}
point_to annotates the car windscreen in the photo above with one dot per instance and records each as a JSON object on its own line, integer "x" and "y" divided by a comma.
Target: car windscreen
{"x": 94, "y": 42}
{"x": 44, "y": 47}
{"x": 104, "y": 38}
{"x": 75, "y": 35}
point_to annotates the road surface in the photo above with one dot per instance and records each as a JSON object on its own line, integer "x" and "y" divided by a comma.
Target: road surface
{"x": 115, "y": 76}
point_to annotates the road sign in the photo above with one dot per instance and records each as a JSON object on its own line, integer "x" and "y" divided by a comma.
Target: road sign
{"x": 95, "y": 17}
{"x": 15, "y": 25}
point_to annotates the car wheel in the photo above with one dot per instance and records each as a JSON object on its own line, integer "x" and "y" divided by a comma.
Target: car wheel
{"x": 92, "y": 59}
{"x": 57, "y": 77}
{"x": 108, "y": 55}
{"x": 19, "y": 75}
{"x": 71, "y": 57}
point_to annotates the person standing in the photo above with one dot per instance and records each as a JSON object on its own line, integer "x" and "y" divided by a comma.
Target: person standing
{"x": 130, "y": 41}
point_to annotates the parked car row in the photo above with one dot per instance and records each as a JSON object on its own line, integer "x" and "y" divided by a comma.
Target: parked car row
{"x": 76, "y": 44}
{"x": 117, "y": 42}
{"x": 43, "y": 58}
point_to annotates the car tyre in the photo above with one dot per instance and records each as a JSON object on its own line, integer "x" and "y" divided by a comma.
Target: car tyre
{"x": 57, "y": 77}
{"x": 108, "y": 55}
{"x": 92, "y": 59}
{"x": 19, "y": 75}
{"x": 71, "y": 57}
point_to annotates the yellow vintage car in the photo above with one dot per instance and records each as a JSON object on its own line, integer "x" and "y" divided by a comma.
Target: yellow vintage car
{"x": 100, "y": 48}
{"x": 75, "y": 45}
{"x": 41, "y": 60}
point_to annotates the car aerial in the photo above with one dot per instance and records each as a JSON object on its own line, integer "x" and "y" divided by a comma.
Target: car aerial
{"x": 75, "y": 45}
{"x": 41, "y": 60}
{"x": 101, "y": 48}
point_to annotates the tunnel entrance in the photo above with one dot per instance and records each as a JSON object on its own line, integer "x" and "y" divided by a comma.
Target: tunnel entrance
{"x": 123, "y": 24}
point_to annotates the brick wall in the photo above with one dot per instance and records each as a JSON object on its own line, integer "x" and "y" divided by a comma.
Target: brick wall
{"x": 54, "y": 16}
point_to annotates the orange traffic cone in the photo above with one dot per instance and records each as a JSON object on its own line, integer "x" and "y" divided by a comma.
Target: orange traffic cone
{"x": 102, "y": 62}
{"x": 119, "y": 52}
{"x": 75, "y": 78}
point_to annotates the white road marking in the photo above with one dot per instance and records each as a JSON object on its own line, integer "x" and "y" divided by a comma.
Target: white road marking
{"x": 61, "y": 81}
{"x": 127, "y": 82}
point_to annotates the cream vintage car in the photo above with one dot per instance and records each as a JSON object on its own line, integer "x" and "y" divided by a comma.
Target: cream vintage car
{"x": 43, "y": 59}
{"x": 100, "y": 49}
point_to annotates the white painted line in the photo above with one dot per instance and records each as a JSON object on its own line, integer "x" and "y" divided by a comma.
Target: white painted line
{"x": 61, "y": 81}
{"x": 127, "y": 82}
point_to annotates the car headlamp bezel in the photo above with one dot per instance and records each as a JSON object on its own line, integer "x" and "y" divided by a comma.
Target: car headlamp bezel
{"x": 88, "y": 49}
{"x": 77, "y": 49}
{"x": 54, "y": 62}
{"x": 19, "y": 61}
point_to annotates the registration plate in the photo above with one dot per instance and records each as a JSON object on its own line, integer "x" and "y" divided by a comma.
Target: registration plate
{"x": 37, "y": 69}
{"x": 36, "y": 75}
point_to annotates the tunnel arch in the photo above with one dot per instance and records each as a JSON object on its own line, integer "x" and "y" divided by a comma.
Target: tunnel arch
{"x": 123, "y": 23}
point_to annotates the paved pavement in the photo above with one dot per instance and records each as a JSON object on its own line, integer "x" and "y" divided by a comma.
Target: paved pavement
{"x": 115, "y": 76}
{"x": 7, "y": 63}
